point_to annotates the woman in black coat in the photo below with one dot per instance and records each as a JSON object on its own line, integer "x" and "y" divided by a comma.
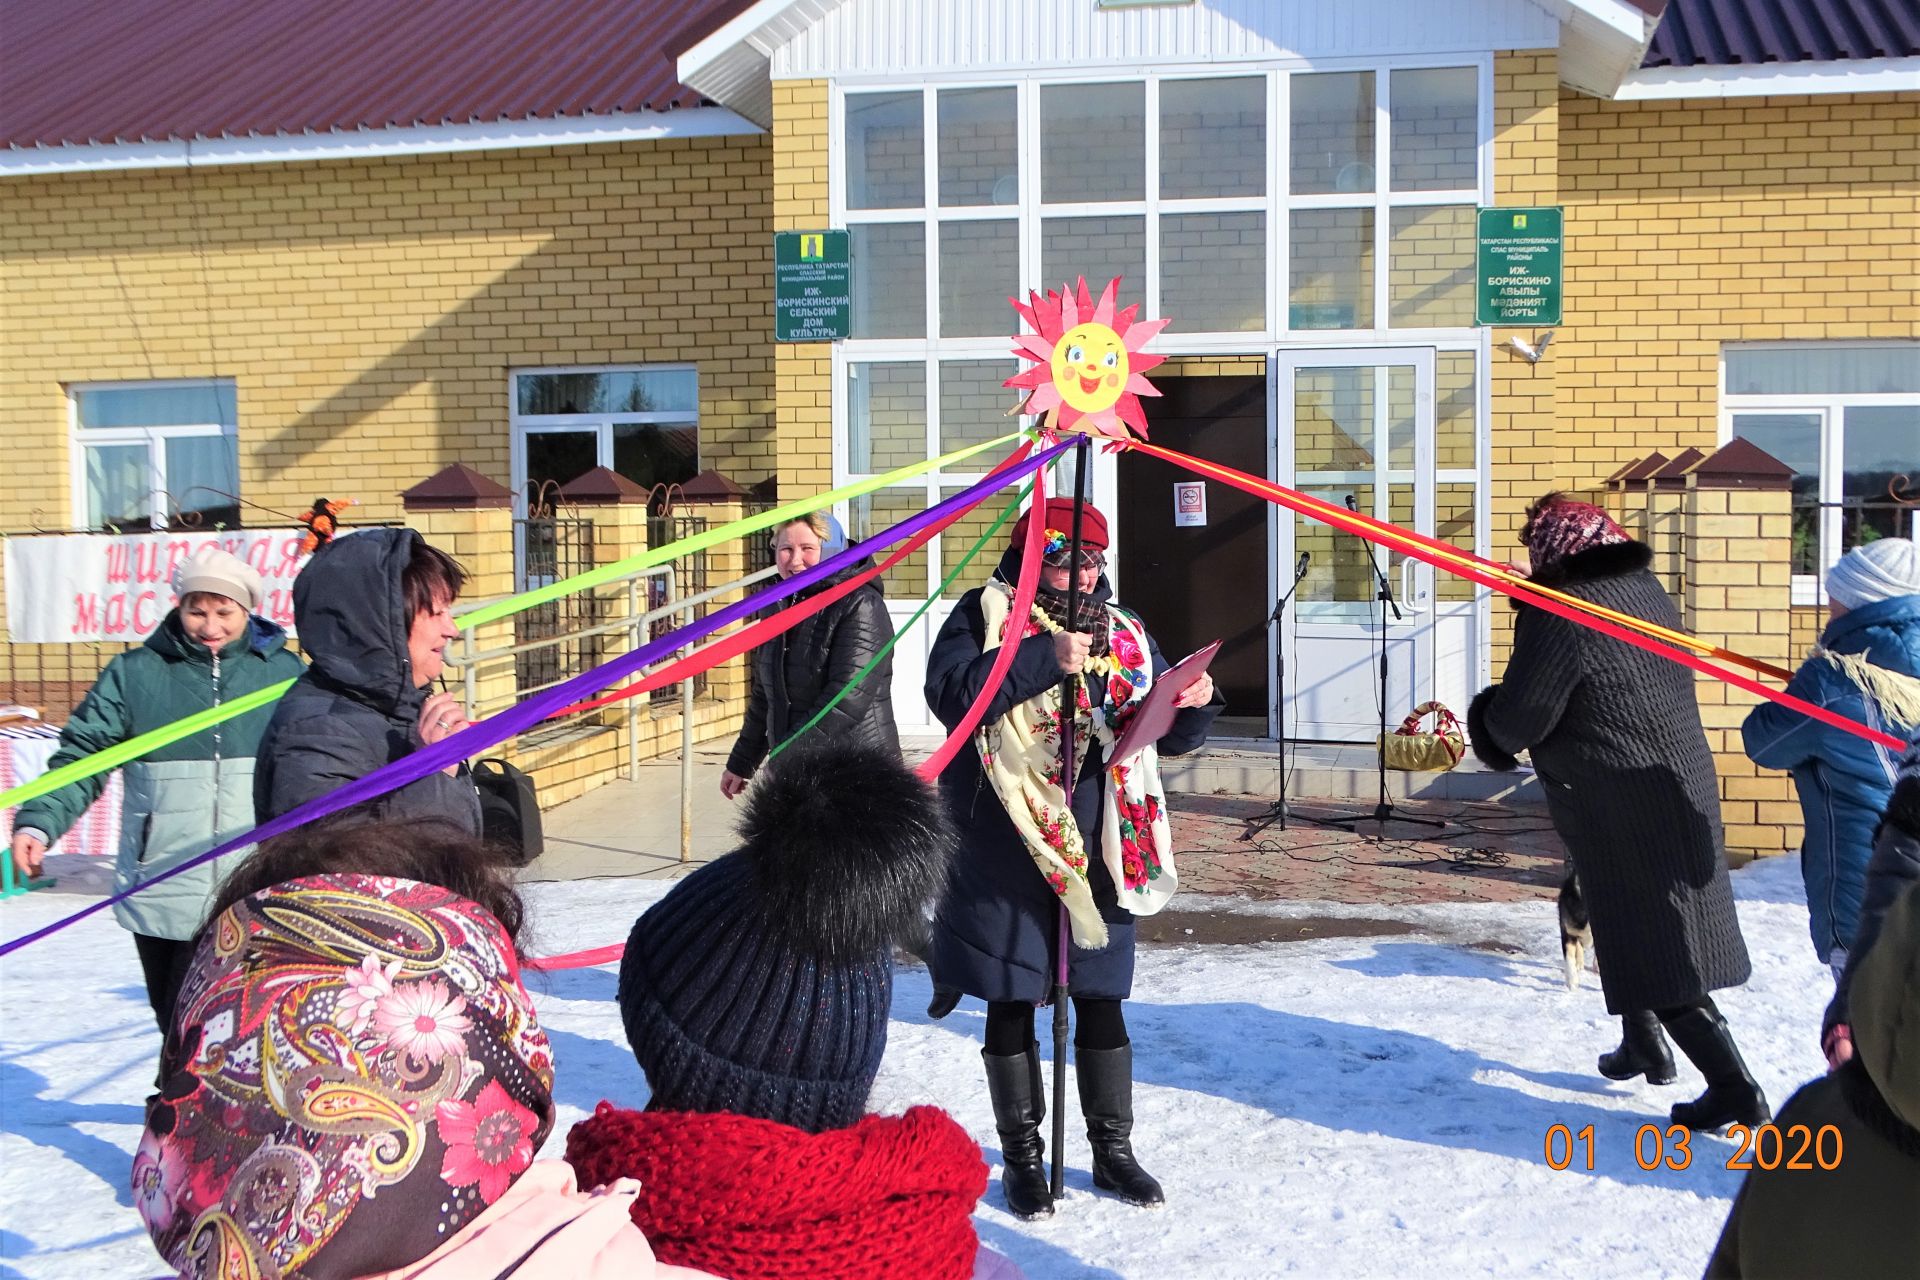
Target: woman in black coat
{"x": 1616, "y": 740}
{"x": 374, "y": 611}
{"x": 996, "y": 929}
{"x": 801, "y": 669}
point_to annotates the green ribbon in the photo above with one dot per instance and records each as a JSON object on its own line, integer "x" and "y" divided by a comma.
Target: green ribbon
{"x": 918, "y": 614}
{"x": 134, "y": 748}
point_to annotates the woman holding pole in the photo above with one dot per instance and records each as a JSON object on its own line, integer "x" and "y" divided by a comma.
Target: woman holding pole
{"x": 1030, "y": 853}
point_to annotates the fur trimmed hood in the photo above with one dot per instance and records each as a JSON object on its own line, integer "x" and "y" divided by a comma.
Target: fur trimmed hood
{"x": 1611, "y": 561}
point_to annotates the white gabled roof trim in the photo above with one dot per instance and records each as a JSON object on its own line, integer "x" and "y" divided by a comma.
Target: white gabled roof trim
{"x": 1866, "y": 75}
{"x": 359, "y": 144}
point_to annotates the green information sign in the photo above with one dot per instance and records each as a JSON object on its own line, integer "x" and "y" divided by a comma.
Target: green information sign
{"x": 1517, "y": 271}
{"x": 812, "y": 286}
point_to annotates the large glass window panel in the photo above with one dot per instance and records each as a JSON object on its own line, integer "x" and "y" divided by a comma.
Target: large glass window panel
{"x": 653, "y": 453}
{"x": 1339, "y": 586}
{"x": 1097, "y": 248}
{"x": 555, "y": 457}
{"x": 889, "y": 280}
{"x": 958, "y": 538}
{"x": 979, "y": 271}
{"x": 1332, "y": 132}
{"x": 118, "y": 486}
{"x": 886, "y": 141}
{"x": 1824, "y": 369}
{"x": 1400, "y": 422}
{"x": 1456, "y": 427}
{"x": 1333, "y": 419}
{"x": 1213, "y": 137}
{"x": 1880, "y": 456}
{"x": 1331, "y": 273}
{"x": 1093, "y": 142}
{"x": 203, "y": 480}
{"x": 1793, "y": 438}
{"x": 886, "y": 416}
{"x": 1213, "y": 270}
{"x": 974, "y": 405}
{"x": 979, "y": 143}
{"x": 1453, "y": 524}
{"x": 609, "y": 391}
{"x": 1430, "y": 266}
{"x": 874, "y": 512}
{"x": 1433, "y": 129}
{"x": 191, "y": 404}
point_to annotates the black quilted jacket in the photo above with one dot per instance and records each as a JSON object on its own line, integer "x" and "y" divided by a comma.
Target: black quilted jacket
{"x": 799, "y": 671}
{"x": 1616, "y": 740}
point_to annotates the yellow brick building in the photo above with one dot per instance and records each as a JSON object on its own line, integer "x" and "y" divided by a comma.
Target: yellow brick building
{"x": 1295, "y": 185}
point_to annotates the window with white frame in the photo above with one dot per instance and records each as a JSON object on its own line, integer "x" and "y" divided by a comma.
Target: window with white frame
{"x": 1846, "y": 417}
{"x": 156, "y": 455}
{"x": 1248, "y": 206}
{"x": 639, "y": 421}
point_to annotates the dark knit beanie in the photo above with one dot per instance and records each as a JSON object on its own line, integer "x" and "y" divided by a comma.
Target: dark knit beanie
{"x": 761, "y": 984}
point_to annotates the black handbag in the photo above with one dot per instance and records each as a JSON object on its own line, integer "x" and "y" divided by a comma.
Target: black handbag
{"x": 509, "y": 810}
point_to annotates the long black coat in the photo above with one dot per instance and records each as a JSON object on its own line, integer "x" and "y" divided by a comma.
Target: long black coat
{"x": 994, "y": 933}
{"x": 1617, "y": 743}
{"x": 357, "y": 707}
{"x": 798, "y": 671}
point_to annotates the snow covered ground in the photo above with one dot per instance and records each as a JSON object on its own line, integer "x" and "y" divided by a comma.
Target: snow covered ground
{"x": 1350, "y": 1107}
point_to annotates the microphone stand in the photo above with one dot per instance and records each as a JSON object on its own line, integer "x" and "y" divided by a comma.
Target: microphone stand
{"x": 1277, "y": 814}
{"x": 1383, "y": 811}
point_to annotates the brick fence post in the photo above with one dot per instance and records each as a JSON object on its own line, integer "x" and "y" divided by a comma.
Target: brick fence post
{"x": 619, "y": 510}
{"x": 720, "y": 501}
{"x": 1738, "y": 534}
{"x": 1666, "y": 521}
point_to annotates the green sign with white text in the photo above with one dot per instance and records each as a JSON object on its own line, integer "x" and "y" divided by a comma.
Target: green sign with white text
{"x": 1517, "y": 270}
{"x": 812, "y": 286}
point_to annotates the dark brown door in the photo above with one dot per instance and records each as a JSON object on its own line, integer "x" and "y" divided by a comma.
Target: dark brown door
{"x": 1196, "y": 585}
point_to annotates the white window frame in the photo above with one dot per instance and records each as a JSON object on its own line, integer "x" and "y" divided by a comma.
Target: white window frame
{"x": 1276, "y": 205}
{"x": 601, "y": 425}
{"x": 159, "y": 513}
{"x": 1830, "y": 408}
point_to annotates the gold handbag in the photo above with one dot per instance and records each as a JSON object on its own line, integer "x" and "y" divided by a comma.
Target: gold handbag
{"x": 1409, "y": 749}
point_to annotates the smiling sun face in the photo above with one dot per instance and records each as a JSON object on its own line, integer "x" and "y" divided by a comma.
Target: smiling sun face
{"x": 1090, "y": 367}
{"x": 1085, "y": 360}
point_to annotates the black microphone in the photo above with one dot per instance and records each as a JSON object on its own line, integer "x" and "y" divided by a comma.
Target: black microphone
{"x": 1352, "y": 505}
{"x": 1300, "y": 570}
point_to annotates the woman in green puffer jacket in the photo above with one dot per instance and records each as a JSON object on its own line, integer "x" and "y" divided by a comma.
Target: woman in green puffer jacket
{"x": 182, "y": 799}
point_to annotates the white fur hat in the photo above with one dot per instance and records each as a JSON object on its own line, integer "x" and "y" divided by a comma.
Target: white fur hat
{"x": 223, "y": 574}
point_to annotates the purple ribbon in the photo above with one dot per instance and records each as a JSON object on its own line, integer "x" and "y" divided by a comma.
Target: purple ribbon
{"x": 497, "y": 728}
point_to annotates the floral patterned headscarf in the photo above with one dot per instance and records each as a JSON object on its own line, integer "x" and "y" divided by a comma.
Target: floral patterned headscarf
{"x": 355, "y": 1073}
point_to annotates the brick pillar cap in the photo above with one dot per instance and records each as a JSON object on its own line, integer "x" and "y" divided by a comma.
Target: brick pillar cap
{"x": 1742, "y": 464}
{"x": 1614, "y": 481}
{"x": 601, "y": 487}
{"x": 1644, "y": 468}
{"x": 1674, "y": 474}
{"x": 456, "y": 488}
{"x": 711, "y": 486}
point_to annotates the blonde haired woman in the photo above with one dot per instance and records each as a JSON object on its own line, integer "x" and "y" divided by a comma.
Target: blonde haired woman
{"x": 799, "y": 671}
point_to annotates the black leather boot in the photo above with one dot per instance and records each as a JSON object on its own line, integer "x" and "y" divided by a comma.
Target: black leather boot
{"x": 1013, "y": 1082}
{"x": 1106, "y": 1100}
{"x": 1732, "y": 1097}
{"x": 1643, "y": 1051}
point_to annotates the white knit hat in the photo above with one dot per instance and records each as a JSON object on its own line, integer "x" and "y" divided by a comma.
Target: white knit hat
{"x": 1878, "y": 571}
{"x": 223, "y": 574}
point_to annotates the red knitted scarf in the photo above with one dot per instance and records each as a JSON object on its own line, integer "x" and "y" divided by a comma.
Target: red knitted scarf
{"x": 753, "y": 1199}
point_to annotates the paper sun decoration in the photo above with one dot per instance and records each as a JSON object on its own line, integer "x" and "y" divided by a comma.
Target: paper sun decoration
{"x": 1087, "y": 362}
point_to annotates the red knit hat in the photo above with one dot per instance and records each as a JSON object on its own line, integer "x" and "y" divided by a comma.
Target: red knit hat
{"x": 1559, "y": 527}
{"x": 1059, "y": 514}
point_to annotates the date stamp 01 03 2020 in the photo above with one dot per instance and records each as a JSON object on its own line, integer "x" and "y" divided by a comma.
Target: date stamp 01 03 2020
{"x": 1762, "y": 1147}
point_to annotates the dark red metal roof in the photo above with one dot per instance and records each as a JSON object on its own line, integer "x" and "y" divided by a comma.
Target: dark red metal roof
{"x": 79, "y": 71}
{"x": 1738, "y": 33}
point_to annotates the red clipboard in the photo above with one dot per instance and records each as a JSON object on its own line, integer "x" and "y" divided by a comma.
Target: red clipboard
{"x": 1155, "y": 716}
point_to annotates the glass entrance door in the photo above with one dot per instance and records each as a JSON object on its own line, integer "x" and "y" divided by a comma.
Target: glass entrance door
{"x": 1355, "y": 425}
